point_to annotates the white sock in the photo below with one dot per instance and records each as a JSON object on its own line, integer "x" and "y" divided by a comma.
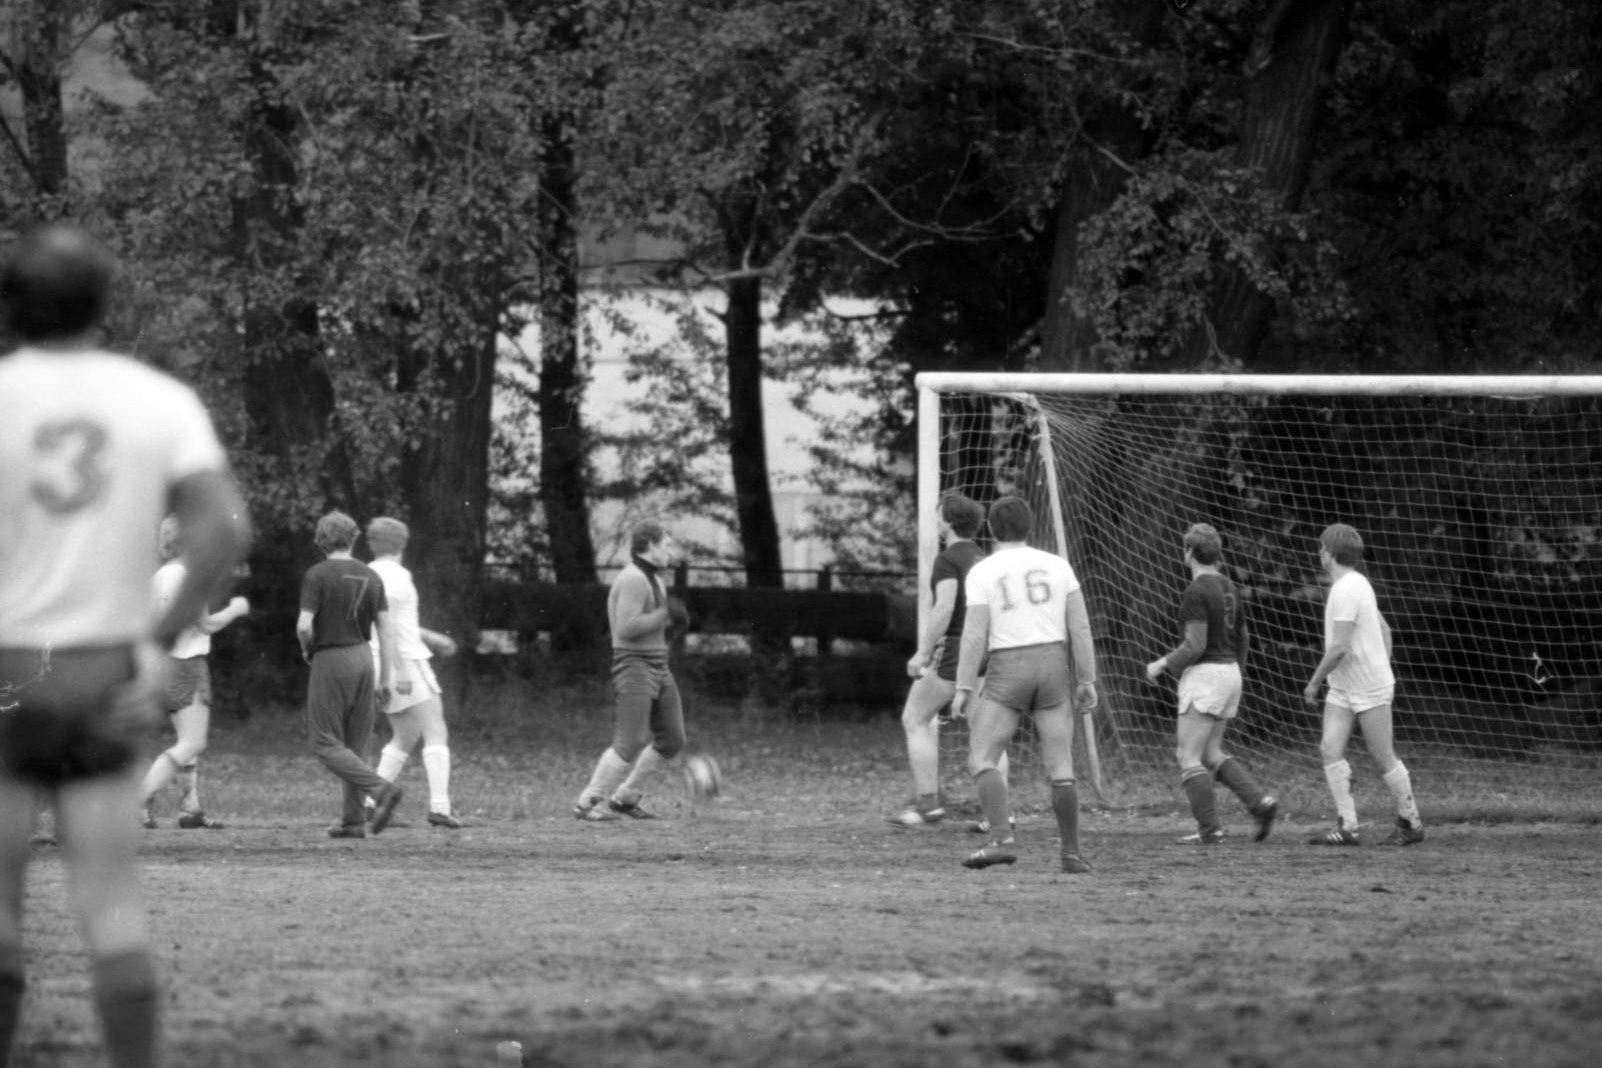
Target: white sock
{"x": 437, "y": 763}
{"x": 160, "y": 774}
{"x": 1401, "y": 786}
{"x": 609, "y": 770}
{"x": 630, "y": 791}
{"x": 390, "y": 763}
{"x": 1339, "y": 777}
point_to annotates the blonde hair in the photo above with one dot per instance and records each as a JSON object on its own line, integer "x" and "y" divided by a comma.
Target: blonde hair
{"x": 387, "y": 536}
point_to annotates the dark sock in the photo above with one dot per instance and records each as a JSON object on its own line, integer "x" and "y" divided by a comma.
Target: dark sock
{"x": 1065, "y": 806}
{"x": 1233, "y": 774}
{"x": 992, "y": 791}
{"x": 127, "y": 1000}
{"x": 1199, "y": 790}
{"x": 11, "y": 987}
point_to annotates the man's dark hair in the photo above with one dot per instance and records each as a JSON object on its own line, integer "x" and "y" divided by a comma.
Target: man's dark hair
{"x": 645, "y": 535}
{"x": 1204, "y": 544}
{"x": 1011, "y": 519}
{"x": 55, "y": 283}
{"x": 336, "y": 532}
{"x": 963, "y": 513}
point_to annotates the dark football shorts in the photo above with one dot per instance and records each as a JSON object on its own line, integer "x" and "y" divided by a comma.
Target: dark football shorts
{"x": 187, "y": 679}
{"x": 56, "y": 722}
{"x": 1029, "y": 678}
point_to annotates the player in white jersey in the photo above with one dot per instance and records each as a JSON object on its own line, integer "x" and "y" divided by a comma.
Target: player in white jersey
{"x": 1025, "y": 611}
{"x": 94, "y": 449}
{"x": 416, "y": 711}
{"x": 1357, "y": 666}
{"x": 187, "y": 696}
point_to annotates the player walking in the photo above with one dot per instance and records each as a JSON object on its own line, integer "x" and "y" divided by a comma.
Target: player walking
{"x": 416, "y": 710}
{"x": 647, "y": 713}
{"x": 342, "y": 601}
{"x": 187, "y": 696}
{"x": 1208, "y": 664}
{"x": 1357, "y": 666}
{"x": 94, "y": 449}
{"x": 933, "y": 668}
{"x": 1025, "y": 610}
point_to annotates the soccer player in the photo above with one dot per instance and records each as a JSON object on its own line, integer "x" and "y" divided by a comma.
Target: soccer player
{"x": 1357, "y": 666}
{"x": 1025, "y": 611}
{"x": 647, "y": 714}
{"x": 933, "y": 667}
{"x": 416, "y": 710}
{"x": 1208, "y": 664}
{"x": 342, "y": 602}
{"x": 187, "y": 696}
{"x": 94, "y": 449}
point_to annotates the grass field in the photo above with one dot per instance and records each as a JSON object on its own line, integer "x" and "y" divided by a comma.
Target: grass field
{"x": 790, "y": 925}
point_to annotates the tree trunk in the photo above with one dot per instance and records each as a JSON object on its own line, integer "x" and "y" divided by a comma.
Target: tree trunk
{"x": 1292, "y": 61}
{"x": 748, "y": 450}
{"x": 39, "y": 84}
{"x": 1096, "y": 176}
{"x": 564, "y": 444}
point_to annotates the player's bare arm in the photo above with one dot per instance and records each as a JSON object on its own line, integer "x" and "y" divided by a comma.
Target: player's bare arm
{"x": 1187, "y": 653}
{"x": 304, "y": 632}
{"x": 386, "y": 654}
{"x": 971, "y": 654}
{"x": 439, "y": 643}
{"x": 945, "y": 603}
{"x": 212, "y": 515}
{"x": 1385, "y": 633}
{"x": 1083, "y": 649}
{"x": 1340, "y": 643}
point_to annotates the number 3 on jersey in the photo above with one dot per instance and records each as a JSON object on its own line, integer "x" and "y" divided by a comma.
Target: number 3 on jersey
{"x": 1036, "y": 589}
{"x": 69, "y": 471}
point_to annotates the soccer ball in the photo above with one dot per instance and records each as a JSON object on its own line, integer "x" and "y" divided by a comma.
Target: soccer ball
{"x": 701, "y": 777}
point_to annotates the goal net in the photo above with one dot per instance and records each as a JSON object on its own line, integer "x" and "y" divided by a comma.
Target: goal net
{"x": 1480, "y": 503}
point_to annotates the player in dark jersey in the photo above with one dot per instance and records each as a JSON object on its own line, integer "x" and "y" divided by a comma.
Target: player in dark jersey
{"x": 341, "y": 604}
{"x": 1208, "y": 664}
{"x": 933, "y": 668}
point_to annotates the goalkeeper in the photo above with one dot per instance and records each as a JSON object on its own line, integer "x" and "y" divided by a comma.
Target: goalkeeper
{"x": 1208, "y": 663}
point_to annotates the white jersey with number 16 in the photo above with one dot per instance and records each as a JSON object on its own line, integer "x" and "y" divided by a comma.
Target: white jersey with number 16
{"x": 1026, "y": 591}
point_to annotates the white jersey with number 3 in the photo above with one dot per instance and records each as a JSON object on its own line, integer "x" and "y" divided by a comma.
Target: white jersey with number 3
{"x": 91, "y": 443}
{"x": 1026, "y": 591}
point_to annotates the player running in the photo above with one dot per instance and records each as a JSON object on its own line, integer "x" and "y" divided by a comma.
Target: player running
{"x": 342, "y": 602}
{"x": 416, "y": 710}
{"x": 187, "y": 696}
{"x": 1208, "y": 664}
{"x": 94, "y": 449}
{"x": 933, "y": 667}
{"x": 647, "y": 713}
{"x": 1357, "y": 666}
{"x": 1025, "y": 612}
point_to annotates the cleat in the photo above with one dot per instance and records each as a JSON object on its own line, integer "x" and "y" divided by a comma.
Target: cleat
{"x": 1404, "y": 834}
{"x": 982, "y": 825}
{"x": 43, "y": 838}
{"x": 590, "y": 811}
{"x": 197, "y": 820}
{"x": 445, "y": 820}
{"x": 632, "y": 810}
{"x": 385, "y": 812}
{"x": 347, "y": 830}
{"x": 1265, "y": 814}
{"x": 147, "y": 819}
{"x": 1206, "y": 838}
{"x": 1338, "y": 836}
{"x": 990, "y": 855}
{"x": 1074, "y": 864}
{"x": 914, "y": 817}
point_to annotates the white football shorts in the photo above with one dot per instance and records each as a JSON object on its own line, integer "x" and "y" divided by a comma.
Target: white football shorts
{"x": 425, "y": 685}
{"x": 1211, "y": 689}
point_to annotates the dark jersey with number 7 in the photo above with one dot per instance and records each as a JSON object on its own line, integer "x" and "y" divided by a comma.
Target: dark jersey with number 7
{"x": 344, "y": 597}
{"x": 1211, "y": 599}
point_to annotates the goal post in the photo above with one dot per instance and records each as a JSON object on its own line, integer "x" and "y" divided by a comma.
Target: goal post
{"x": 1479, "y": 499}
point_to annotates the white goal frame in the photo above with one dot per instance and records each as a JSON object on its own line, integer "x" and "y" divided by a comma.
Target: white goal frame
{"x": 931, "y": 386}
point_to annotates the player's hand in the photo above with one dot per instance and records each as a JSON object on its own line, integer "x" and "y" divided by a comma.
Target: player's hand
{"x": 1155, "y": 669}
{"x": 1086, "y": 697}
{"x": 1310, "y": 694}
{"x": 238, "y": 606}
{"x": 134, "y": 708}
{"x": 959, "y": 704}
{"x": 404, "y": 688}
{"x": 678, "y": 616}
{"x": 917, "y": 664}
{"x": 445, "y": 646}
{"x": 381, "y": 695}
